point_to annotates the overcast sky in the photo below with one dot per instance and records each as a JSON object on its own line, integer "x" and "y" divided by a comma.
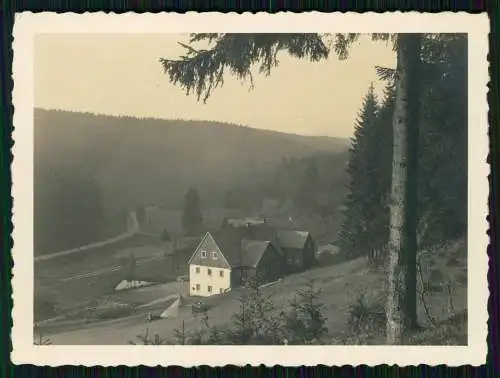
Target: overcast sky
{"x": 120, "y": 75}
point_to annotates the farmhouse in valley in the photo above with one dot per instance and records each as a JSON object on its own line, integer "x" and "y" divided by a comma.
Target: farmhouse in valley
{"x": 225, "y": 258}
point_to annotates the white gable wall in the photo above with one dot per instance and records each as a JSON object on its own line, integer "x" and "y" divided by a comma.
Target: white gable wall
{"x": 201, "y": 282}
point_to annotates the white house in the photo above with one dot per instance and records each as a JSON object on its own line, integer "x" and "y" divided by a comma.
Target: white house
{"x": 227, "y": 258}
{"x": 209, "y": 271}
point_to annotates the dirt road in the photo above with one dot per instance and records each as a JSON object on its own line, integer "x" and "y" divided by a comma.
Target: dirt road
{"x": 133, "y": 228}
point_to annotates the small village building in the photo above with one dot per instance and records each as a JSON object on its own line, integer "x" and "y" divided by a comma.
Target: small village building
{"x": 243, "y": 222}
{"x": 327, "y": 250}
{"x": 299, "y": 249}
{"x": 224, "y": 259}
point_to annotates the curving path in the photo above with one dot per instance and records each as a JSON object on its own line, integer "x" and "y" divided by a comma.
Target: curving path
{"x": 132, "y": 229}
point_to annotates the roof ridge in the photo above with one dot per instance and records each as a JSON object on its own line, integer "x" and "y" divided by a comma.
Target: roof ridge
{"x": 257, "y": 240}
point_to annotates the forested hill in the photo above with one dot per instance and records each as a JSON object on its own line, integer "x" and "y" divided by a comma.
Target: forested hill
{"x": 87, "y": 164}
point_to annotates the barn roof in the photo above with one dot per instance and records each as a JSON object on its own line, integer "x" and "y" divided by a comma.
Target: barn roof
{"x": 292, "y": 239}
{"x": 253, "y": 250}
{"x": 238, "y": 249}
{"x": 245, "y": 246}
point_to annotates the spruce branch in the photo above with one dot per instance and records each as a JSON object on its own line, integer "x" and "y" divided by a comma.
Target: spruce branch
{"x": 201, "y": 71}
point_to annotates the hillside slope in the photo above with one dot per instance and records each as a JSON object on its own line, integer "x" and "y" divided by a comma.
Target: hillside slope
{"x": 93, "y": 164}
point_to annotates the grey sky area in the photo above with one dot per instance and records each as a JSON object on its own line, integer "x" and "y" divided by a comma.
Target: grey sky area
{"x": 120, "y": 75}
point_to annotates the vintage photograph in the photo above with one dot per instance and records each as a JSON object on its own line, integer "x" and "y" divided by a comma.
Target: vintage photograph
{"x": 263, "y": 188}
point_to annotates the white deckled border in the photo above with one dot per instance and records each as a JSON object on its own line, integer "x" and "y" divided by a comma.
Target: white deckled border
{"x": 28, "y": 24}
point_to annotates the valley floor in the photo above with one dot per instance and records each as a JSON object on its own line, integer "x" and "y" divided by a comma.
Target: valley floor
{"x": 76, "y": 280}
{"x": 340, "y": 285}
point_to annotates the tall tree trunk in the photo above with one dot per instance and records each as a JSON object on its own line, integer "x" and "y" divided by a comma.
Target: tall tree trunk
{"x": 402, "y": 248}
{"x": 413, "y": 44}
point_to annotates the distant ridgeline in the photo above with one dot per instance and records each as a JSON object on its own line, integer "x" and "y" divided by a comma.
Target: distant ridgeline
{"x": 91, "y": 170}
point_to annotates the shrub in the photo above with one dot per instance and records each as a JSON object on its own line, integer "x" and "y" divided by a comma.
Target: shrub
{"x": 305, "y": 323}
{"x": 365, "y": 321}
{"x": 145, "y": 340}
{"x": 452, "y": 331}
{"x": 256, "y": 321}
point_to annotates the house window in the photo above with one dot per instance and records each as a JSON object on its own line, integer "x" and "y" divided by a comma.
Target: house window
{"x": 203, "y": 254}
{"x": 214, "y": 255}
{"x": 209, "y": 289}
{"x": 209, "y": 271}
{"x": 197, "y": 269}
{"x": 221, "y": 273}
{"x": 197, "y": 287}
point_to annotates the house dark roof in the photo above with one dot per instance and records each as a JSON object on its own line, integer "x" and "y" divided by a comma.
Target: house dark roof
{"x": 281, "y": 238}
{"x": 245, "y": 246}
{"x": 253, "y": 250}
{"x": 292, "y": 239}
{"x": 238, "y": 248}
{"x": 229, "y": 243}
